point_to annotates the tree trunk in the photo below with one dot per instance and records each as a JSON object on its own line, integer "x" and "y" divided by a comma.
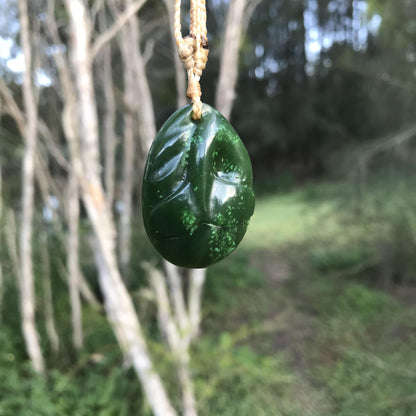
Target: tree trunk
{"x": 144, "y": 111}
{"x": 227, "y": 81}
{"x": 180, "y": 76}
{"x": 72, "y": 198}
{"x": 1, "y": 223}
{"x": 177, "y": 340}
{"x": 27, "y": 289}
{"x": 47, "y": 295}
{"x": 109, "y": 118}
{"x": 126, "y": 47}
{"x": 119, "y": 306}
{"x": 176, "y": 295}
{"x": 73, "y": 260}
{"x": 196, "y": 286}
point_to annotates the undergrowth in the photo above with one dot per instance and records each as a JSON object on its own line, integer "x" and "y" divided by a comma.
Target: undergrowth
{"x": 331, "y": 339}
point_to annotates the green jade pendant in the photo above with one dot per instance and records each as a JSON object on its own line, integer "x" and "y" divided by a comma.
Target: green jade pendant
{"x": 197, "y": 196}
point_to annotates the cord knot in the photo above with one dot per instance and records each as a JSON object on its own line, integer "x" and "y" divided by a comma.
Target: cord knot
{"x": 193, "y": 51}
{"x": 200, "y": 58}
{"x": 186, "y": 52}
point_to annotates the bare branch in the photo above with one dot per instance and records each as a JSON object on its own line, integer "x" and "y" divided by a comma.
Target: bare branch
{"x": 227, "y": 79}
{"x": 165, "y": 316}
{"x": 180, "y": 77}
{"x": 148, "y": 50}
{"x": 176, "y": 292}
{"x": 116, "y": 27}
{"x": 96, "y": 7}
{"x": 251, "y": 6}
{"x": 386, "y": 143}
{"x": 46, "y": 134}
{"x": 87, "y": 293}
{"x": 12, "y": 107}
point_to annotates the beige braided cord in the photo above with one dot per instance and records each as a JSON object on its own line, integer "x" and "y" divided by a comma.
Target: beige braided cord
{"x": 193, "y": 50}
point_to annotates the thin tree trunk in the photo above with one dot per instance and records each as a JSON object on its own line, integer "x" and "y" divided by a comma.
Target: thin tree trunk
{"x": 87, "y": 293}
{"x": 10, "y": 231}
{"x": 72, "y": 197}
{"x": 126, "y": 47}
{"x": 196, "y": 285}
{"x": 1, "y": 223}
{"x": 177, "y": 341}
{"x": 145, "y": 111}
{"x": 185, "y": 380}
{"x": 27, "y": 289}
{"x": 135, "y": 85}
{"x": 109, "y": 119}
{"x": 47, "y": 296}
{"x": 227, "y": 81}
{"x": 180, "y": 76}
{"x": 73, "y": 260}
{"x": 119, "y": 306}
{"x": 176, "y": 294}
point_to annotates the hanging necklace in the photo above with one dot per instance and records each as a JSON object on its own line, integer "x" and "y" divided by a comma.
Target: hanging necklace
{"x": 197, "y": 196}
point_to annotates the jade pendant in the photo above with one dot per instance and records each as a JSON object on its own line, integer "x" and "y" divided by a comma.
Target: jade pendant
{"x": 197, "y": 195}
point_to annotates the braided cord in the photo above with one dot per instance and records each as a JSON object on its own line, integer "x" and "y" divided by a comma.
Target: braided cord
{"x": 193, "y": 50}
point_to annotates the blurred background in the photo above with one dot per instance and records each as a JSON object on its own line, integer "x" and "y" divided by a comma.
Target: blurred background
{"x": 315, "y": 313}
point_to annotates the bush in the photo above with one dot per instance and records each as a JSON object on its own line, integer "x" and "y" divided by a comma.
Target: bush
{"x": 233, "y": 380}
{"x": 103, "y": 389}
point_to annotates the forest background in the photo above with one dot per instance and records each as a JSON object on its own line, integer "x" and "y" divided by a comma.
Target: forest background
{"x": 315, "y": 312}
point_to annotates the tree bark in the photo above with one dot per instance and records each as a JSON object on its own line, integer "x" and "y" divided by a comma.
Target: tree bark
{"x": 47, "y": 296}
{"x": 109, "y": 118}
{"x": 145, "y": 111}
{"x": 126, "y": 47}
{"x": 27, "y": 289}
{"x": 227, "y": 81}
{"x": 196, "y": 286}
{"x": 1, "y": 270}
{"x": 73, "y": 260}
{"x": 140, "y": 116}
{"x": 176, "y": 331}
{"x": 180, "y": 76}
{"x": 176, "y": 294}
{"x": 119, "y": 306}
{"x": 72, "y": 198}
{"x": 178, "y": 341}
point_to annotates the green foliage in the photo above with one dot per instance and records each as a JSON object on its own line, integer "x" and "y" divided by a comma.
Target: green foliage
{"x": 234, "y": 273}
{"x": 359, "y": 355}
{"x": 234, "y": 380}
{"x": 322, "y": 343}
{"x": 362, "y": 383}
{"x": 102, "y": 388}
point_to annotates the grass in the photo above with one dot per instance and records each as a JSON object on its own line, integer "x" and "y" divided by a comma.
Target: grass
{"x": 297, "y": 322}
{"x": 344, "y": 340}
{"x": 301, "y": 215}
